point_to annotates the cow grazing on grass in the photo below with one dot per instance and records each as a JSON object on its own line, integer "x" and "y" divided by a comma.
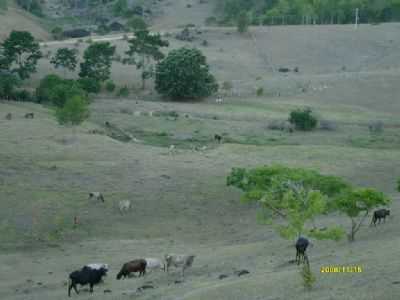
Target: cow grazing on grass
{"x": 179, "y": 260}
{"x": 154, "y": 264}
{"x": 137, "y": 265}
{"x": 124, "y": 205}
{"x": 380, "y": 214}
{"x": 85, "y": 276}
{"x": 29, "y": 115}
{"x": 301, "y": 247}
{"x": 97, "y": 196}
{"x": 218, "y": 138}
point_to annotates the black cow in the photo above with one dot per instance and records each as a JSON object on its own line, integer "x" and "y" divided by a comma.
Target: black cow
{"x": 301, "y": 247}
{"x": 380, "y": 214}
{"x": 218, "y": 138}
{"x": 85, "y": 276}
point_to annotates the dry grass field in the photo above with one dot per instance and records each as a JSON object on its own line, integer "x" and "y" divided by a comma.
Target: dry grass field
{"x": 180, "y": 202}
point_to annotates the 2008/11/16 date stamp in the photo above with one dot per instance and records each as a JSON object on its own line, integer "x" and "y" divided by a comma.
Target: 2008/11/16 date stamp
{"x": 341, "y": 269}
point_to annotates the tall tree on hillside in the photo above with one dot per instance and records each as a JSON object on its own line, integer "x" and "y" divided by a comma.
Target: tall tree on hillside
{"x": 97, "y": 61}
{"x": 65, "y": 58}
{"x": 184, "y": 74}
{"x": 144, "y": 48}
{"x": 20, "y": 53}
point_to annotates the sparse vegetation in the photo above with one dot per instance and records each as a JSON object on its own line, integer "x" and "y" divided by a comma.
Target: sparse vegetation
{"x": 307, "y": 276}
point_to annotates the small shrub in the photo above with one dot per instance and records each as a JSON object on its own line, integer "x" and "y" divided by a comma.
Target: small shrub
{"x": 110, "y": 86}
{"x": 307, "y": 276}
{"x": 260, "y": 91}
{"x": 303, "y": 119}
{"x": 376, "y": 127}
{"x": 123, "y": 91}
{"x": 398, "y": 185}
{"x": 89, "y": 41}
{"x": 204, "y": 43}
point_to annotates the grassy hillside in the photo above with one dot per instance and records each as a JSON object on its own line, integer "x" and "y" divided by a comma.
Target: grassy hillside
{"x": 181, "y": 202}
{"x": 14, "y": 18}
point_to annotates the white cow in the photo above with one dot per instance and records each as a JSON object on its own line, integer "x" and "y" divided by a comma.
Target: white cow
{"x": 124, "y": 205}
{"x": 179, "y": 260}
{"x": 154, "y": 264}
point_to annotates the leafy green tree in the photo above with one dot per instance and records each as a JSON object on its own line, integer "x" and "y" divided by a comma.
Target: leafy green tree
{"x": 296, "y": 196}
{"x": 20, "y": 53}
{"x": 357, "y": 204}
{"x": 185, "y": 74}
{"x": 144, "y": 48}
{"x": 120, "y": 7}
{"x": 8, "y": 83}
{"x": 243, "y": 22}
{"x": 137, "y": 24}
{"x": 89, "y": 85}
{"x": 74, "y": 111}
{"x": 65, "y": 58}
{"x": 56, "y": 91}
{"x": 97, "y": 61}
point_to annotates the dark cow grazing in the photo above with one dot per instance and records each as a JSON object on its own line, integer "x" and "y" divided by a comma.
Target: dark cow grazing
{"x": 137, "y": 265}
{"x": 9, "y": 116}
{"x": 301, "y": 247}
{"x": 29, "y": 116}
{"x": 380, "y": 214}
{"x": 284, "y": 70}
{"x": 218, "y": 138}
{"x": 85, "y": 276}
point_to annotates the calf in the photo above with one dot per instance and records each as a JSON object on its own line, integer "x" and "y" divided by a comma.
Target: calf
{"x": 301, "y": 247}
{"x": 179, "y": 260}
{"x": 137, "y": 265}
{"x": 218, "y": 138}
{"x": 97, "y": 196}
{"x": 85, "y": 276}
{"x": 124, "y": 205}
{"x": 380, "y": 214}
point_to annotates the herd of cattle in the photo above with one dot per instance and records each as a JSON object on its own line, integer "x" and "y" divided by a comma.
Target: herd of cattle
{"x": 92, "y": 274}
